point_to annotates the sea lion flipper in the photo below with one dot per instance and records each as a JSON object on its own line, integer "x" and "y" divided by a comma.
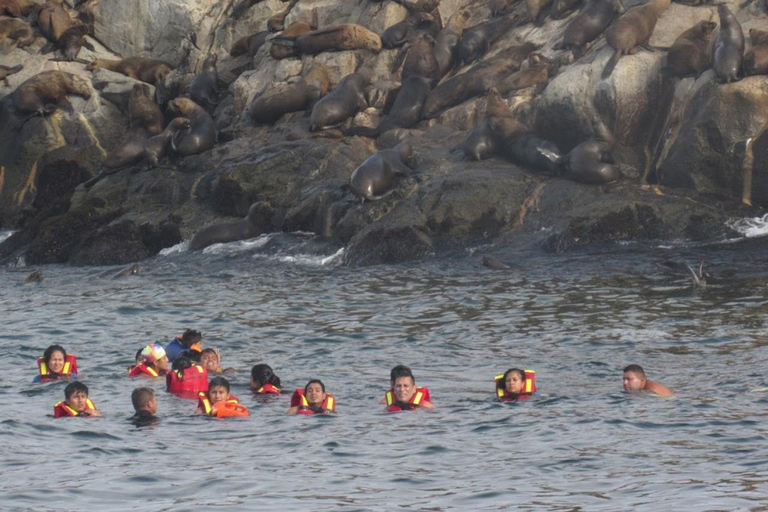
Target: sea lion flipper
{"x": 89, "y": 46}
{"x": 610, "y": 65}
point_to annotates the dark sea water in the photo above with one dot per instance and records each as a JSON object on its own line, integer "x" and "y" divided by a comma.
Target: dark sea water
{"x": 576, "y": 318}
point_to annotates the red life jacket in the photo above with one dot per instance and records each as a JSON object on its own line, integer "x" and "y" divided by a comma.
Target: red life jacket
{"x": 187, "y": 383}
{"x": 62, "y": 410}
{"x": 46, "y": 375}
{"x": 268, "y": 389}
{"x": 142, "y": 369}
{"x": 230, "y": 407}
{"x": 299, "y": 400}
{"x": 529, "y": 388}
{"x": 419, "y": 397}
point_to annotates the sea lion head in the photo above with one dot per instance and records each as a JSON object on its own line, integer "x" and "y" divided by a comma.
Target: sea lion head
{"x": 180, "y": 123}
{"x": 706, "y": 27}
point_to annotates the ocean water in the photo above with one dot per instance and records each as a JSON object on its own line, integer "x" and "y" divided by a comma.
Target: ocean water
{"x": 576, "y": 318}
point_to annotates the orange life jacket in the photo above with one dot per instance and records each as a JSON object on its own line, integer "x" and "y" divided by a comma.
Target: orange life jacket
{"x": 187, "y": 383}
{"x": 298, "y": 399}
{"x": 62, "y": 410}
{"x": 529, "y": 387}
{"x": 229, "y": 407}
{"x": 419, "y": 397}
{"x": 46, "y": 375}
{"x": 142, "y": 369}
{"x": 268, "y": 389}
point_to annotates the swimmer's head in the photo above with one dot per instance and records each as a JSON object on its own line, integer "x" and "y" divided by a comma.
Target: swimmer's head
{"x": 154, "y": 354}
{"x": 218, "y": 390}
{"x": 76, "y": 396}
{"x": 209, "y": 359}
{"x": 55, "y": 356}
{"x": 192, "y": 339}
{"x": 513, "y": 381}
{"x": 143, "y": 399}
{"x": 314, "y": 391}
{"x": 404, "y": 388}
{"x": 399, "y": 371}
{"x": 634, "y": 378}
{"x": 261, "y": 375}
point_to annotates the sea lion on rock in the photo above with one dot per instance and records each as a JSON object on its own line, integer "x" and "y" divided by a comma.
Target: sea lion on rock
{"x": 536, "y": 10}
{"x": 405, "y": 111}
{"x": 284, "y": 46}
{"x": 202, "y": 134}
{"x": 728, "y": 51}
{"x": 756, "y": 58}
{"x": 347, "y": 36}
{"x": 11, "y": 8}
{"x": 43, "y": 93}
{"x": 632, "y": 30}
{"x": 447, "y": 40}
{"x": 534, "y": 152}
{"x": 476, "y": 41}
{"x": 70, "y": 43}
{"x": 143, "y": 113}
{"x": 537, "y": 73}
{"x": 53, "y": 20}
{"x": 253, "y": 225}
{"x": 204, "y": 88}
{"x": 243, "y": 6}
{"x": 563, "y": 8}
{"x": 249, "y": 44}
{"x": 591, "y": 162}
{"x": 374, "y": 179}
{"x": 22, "y": 34}
{"x": 147, "y": 70}
{"x": 587, "y": 26}
{"x": 346, "y": 100}
{"x": 480, "y": 143}
{"x": 400, "y": 33}
{"x": 156, "y": 148}
{"x": 276, "y": 22}
{"x": 270, "y": 106}
{"x": 689, "y": 54}
{"x": 6, "y": 71}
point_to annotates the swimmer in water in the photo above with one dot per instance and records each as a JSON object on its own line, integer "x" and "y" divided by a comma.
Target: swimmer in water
{"x": 312, "y": 400}
{"x": 154, "y": 362}
{"x": 55, "y": 365}
{"x": 264, "y": 380}
{"x": 209, "y": 359}
{"x": 145, "y": 405}
{"x": 76, "y": 402}
{"x": 188, "y": 344}
{"x": 511, "y": 386}
{"x": 400, "y": 369}
{"x": 635, "y": 380}
{"x": 405, "y": 395}
{"x": 218, "y": 393}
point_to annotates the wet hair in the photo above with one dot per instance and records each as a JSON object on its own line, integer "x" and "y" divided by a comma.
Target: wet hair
{"x": 138, "y": 354}
{"x": 180, "y": 364}
{"x": 190, "y": 337}
{"x": 141, "y": 397}
{"x": 219, "y": 382}
{"x": 400, "y": 371}
{"x": 636, "y": 369}
{"x": 208, "y": 351}
{"x": 314, "y": 381}
{"x": 74, "y": 387}
{"x": 502, "y": 382}
{"x": 263, "y": 374}
{"x": 48, "y": 354}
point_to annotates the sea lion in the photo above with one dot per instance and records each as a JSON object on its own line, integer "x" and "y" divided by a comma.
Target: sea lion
{"x": 537, "y": 73}
{"x": 488, "y": 138}
{"x": 447, "y": 40}
{"x": 22, "y": 33}
{"x": 591, "y": 162}
{"x": 128, "y": 271}
{"x": 480, "y": 143}
{"x": 756, "y": 58}
{"x": 276, "y": 23}
{"x": 284, "y": 46}
{"x": 249, "y": 44}
{"x": 536, "y": 9}
{"x": 728, "y": 51}
{"x": 346, "y": 100}
{"x": 564, "y": 8}
{"x": 11, "y": 8}
{"x": 204, "y": 88}
{"x": 42, "y": 94}
{"x": 53, "y": 20}
{"x": 6, "y": 71}
{"x": 631, "y": 30}
{"x": 374, "y": 179}
{"x": 34, "y": 277}
{"x": 476, "y": 41}
{"x": 156, "y": 148}
{"x": 478, "y": 80}
{"x": 143, "y": 113}
{"x": 494, "y": 263}
{"x": 534, "y": 152}
{"x": 405, "y": 111}
{"x": 147, "y": 70}
{"x": 251, "y": 226}
{"x": 587, "y": 26}
{"x": 689, "y": 54}
{"x": 70, "y": 43}
{"x": 270, "y": 106}
{"x": 202, "y": 134}
{"x": 243, "y": 6}
{"x": 347, "y": 36}
{"x": 400, "y": 33}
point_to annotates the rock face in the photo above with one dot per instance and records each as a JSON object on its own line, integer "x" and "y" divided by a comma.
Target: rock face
{"x": 691, "y": 150}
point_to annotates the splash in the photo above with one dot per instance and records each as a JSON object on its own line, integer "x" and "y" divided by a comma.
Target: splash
{"x": 239, "y": 246}
{"x": 5, "y": 235}
{"x": 313, "y": 260}
{"x": 750, "y": 227}
{"x": 176, "y": 249}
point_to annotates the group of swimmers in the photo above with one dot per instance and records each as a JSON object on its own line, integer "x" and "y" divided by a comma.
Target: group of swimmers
{"x": 190, "y": 366}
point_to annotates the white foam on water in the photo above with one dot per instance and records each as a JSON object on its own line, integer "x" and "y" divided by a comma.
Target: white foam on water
{"x": 313, "y": 260}
{"x": 176, "y": 249}
{"x": 5, "y": 235}
{"x": 751, "y": 227}
{"x": 240, "y": 245}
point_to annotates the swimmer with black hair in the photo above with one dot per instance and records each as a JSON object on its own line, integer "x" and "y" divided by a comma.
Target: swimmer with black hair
{"x": 635, "y": 380}
{"x": 515, "y": 384}
{"x": 76, "y": 402}
{"x": 218, "y": 401}
{"x": 404, "y": 395}
{"x": 55, "y": 364}
{"x": 264, "y": 381}
{"x": 145, "y": 405}
{"x": 312, "y": 400}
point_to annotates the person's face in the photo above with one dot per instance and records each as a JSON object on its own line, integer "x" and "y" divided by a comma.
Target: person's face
{"x": 314, "y": 394}
{"x": 513, "y": 383}
{"x": 404, "y": 388}
{"x": 255, "y": 385}
{"x": 209, "y": 361}
{"x": 218, "y": 394}
{"x": 56, "y": 362}
{"x": 633, "y": 382}
{"x": 152, "y": 405}
{"x": 162, "y": 363}
{"x": 78, "y": 401}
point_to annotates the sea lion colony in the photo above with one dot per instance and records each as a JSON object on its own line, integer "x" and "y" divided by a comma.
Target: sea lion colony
{"x": 441, "y": 62}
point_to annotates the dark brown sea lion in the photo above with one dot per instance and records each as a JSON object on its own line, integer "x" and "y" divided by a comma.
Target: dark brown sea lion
{"x": 536, "y": 10}
{"x": 253, "y": 225}
{"x": 420, "y": 61}
{"x": 128, "y": 271}
{"x": 204, "y": 89}
{"x": 249, "y": 44}
{"x": 53, "y": 20}
{"x": 243, "y": 6}
{"x": 284, "y": 46}
{"x": 270, "y": 106}
{"x": 156, "y": 148}
{"x": 564, "y": 8}
{"x": 22, "y": 34}
{"x": 417, "y": 5}
{"x": 534, "y": 152}
{"x": 728, "y": 51}
{"x": 591, "y": 162}
{"x": 689, "y": 55}
{"x": 201, "y": 135}
{"x": 347, "y": 99}
{"x": 537, "y": 73}
{"x": 632, "y": 30}
{"x": 374, "y": 179}
{"x": 480, "y": 143}
{"x": 147, "y": 70}
{"x": 276, "y": 23}
{"x": 494, "y": 263}
{"x": 476, "y": 41}
{"x": 400, "y": 33}
{"x": 448, "y": 39}
{"x": 6, "y": 71}
{"x": 34, "y": 277}
{"x": 347, "y": 36}
{"x": 405, "y": 111}
{"x": 756, "y": 58}
{"x": 11, "y": 8}
{"x": 489, "y": 137}
{"x": 587, "y": 26}
{"x": 43, "y": 93}
{"x": 143, "y": 113}
{"x": 70, "y": 42}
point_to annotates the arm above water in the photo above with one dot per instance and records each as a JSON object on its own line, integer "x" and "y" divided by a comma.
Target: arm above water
{"x": 658, "y": 388}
